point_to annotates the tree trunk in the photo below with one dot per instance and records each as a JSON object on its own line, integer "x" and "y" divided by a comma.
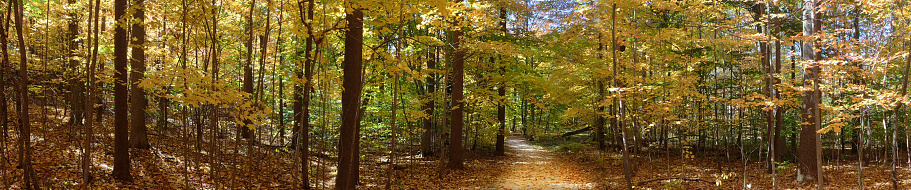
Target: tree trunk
{"x": 308, "y": 87}
{"x": 427, "y": 134}
{"x": 138, "y": 137}
{"x": 4, "y": 69}
{"x": 25, "y": 133}
{"x": 90, "y": 97}
{"x": 860, "y": 150}
{"x": 627, "y": 168}
{"x": 244, "y": 129}
{"x": 76, "y": 86}
{"x": 458, "y": 81}
{"x": 599, "y": 112}
{"x": 501, "y": 91}
{"x": 524, "y": 112}
{"x": 395, "y": 96}
{"x": 779, "y": 145}
{"x": 213, "y": 108}
{"x": 759, "y": 10}
{"x": 349, "y": 132}
{"x": 810, "y": 158}
{"x": 281, "y": 78}
{"x": 4, "y": 77}
{"x": 121, "y": 96}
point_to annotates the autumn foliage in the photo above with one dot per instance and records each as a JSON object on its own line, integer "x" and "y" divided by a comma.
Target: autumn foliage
{"x": 454, "y": 94}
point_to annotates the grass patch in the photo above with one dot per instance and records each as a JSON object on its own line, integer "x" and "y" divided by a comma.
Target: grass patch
{"x": 571, "y": 147}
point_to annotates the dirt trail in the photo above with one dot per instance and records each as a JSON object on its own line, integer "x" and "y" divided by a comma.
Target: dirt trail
{"x": 530, "y": 167}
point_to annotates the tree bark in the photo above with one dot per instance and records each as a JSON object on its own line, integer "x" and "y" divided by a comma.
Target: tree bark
{"x": 759, "y": 9}
{"x": 810, "y": 158}
{"x": 627, "y": 168}
{"x": 29, "y": 179}
{"x": 90, "y": 96}
{"x": 599, "y": 111}
{"x": 4, "y": 76}
{"x": 303, "y": 137}
{"x": 121, "y": 96}
{"x": 138, "y": 132}
{"x": 352, "y": 80}
{"x": 427, "y": 134}
{"x": 501, "y": 91}
{"x": 390, "y": 173}
{"x": 779, "y": 145}
{"x": 76, "y": 86}
{"x": 244, "y": 129}
{"x": 213, "y": 108}
{"x": 458, "y": 81}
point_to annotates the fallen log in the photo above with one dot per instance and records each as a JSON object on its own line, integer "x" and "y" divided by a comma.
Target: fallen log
{"x": 577, "y": 132}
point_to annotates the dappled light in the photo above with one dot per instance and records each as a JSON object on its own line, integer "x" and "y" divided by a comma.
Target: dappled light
{"x": 455, "y": 94}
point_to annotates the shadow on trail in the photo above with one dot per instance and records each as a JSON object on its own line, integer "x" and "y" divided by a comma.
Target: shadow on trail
{"x": 531, "y": 167}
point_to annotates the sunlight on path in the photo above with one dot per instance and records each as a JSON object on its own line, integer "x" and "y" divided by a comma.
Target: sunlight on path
{"x": 531, "y": 167}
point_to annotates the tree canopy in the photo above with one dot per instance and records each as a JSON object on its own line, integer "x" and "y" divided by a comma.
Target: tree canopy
{"x": 338, "y": 94}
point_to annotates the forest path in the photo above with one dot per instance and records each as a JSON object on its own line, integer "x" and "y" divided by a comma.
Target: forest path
{"x": 531, "y": 167}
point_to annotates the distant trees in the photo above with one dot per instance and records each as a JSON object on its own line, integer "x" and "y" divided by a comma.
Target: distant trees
{"x": 695, "y": 76}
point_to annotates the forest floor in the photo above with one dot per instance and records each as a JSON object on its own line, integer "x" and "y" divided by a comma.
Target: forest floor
{"x": 176, "y": 161}
{"x": 532, "y": 167}
{"x": 550, "y": 165}
{"x": 525, "y": 166}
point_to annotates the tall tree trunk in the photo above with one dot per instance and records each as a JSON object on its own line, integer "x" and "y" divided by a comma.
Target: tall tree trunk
{"x": 138, "y": 137}
{"x": 244, "y": 129}
{"x": 759, "y": 9}
{"x": 29, "y": 179}
{"x": 779, "y": 144}
{"x": 427, "y": 134}
{"x": 501, "y": 91}
{"x": 860, "y": 149}
{"x": 352, "y": 83}
{"x": 458, "y": 83}
{"x": 121, "y": 96}
{"x": 810, "y": 157}
{"x": 90, "y": 97}
{"x": 390, "y": 172}
{"x": 297, "y": 106}
{"x": 627, "y": 168}
{"x": 4, "y": 76}
{"x": 76, "y": 86}
{"x": 525, "y": 112}
{"x": 213, "y": 108}
{"x": 599, "y": 112}
{"x": 303, "y": 136}
{"x": 281, "y": 77}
